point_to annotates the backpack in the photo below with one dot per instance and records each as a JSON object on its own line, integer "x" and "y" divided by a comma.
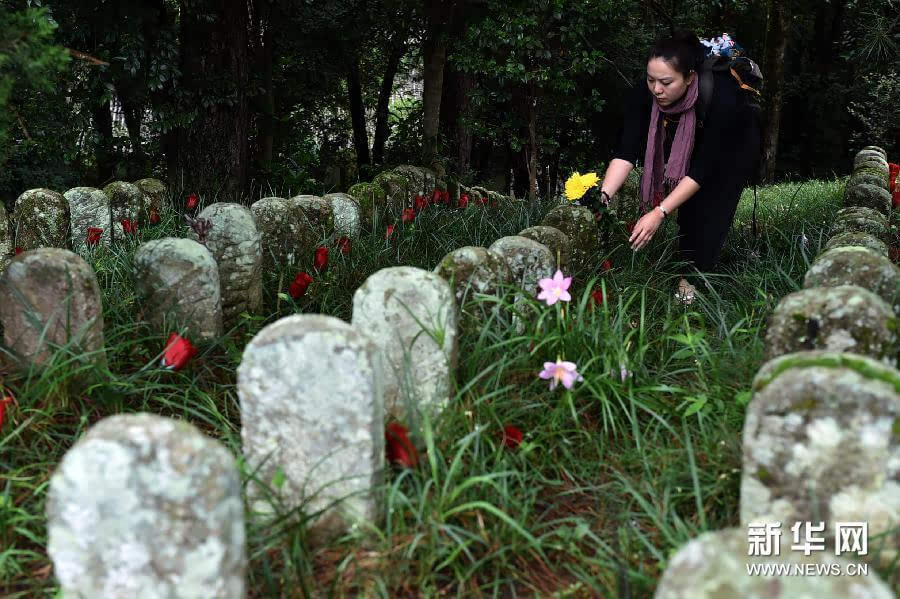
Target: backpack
{"x": 723, "y": 54}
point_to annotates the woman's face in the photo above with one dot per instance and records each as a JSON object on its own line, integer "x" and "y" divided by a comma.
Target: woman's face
{"x": 666, "y": 84}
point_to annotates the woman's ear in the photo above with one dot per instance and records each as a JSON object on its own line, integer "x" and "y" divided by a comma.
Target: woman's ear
{"x": 691, "y": 76}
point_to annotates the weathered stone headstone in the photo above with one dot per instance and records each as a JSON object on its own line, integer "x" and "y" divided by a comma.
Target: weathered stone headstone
{"x": 413, "y": 317}
{"x": 480, "y": 192}
{"x": 860, "y": 220}
{"x": 868, "y": 196}
{"x": 280, "y": 233}
{"x": 856, "y": 266}
{"x": 347, "y": 215}
{"x": 577, "y": 222}
{"x": 715, "y": 565}
{"x": 126, "y": 202}
{"x": 89, "y": 207}
{"x": 316, "y": 221}
{"x": 873, "y": 156}
{"x": 870, "y": 177}
{"x": 312, "y": 414}
{"x": 821, "y": 445}
{"x": 556, "y": 241}
{"x": 51, "y": 298}
{"x": 877, "y": 149}
{"x": 851, "y": 239}
{"x": 177, "y": 284}
{"x": 234, "y": 243}
{"x": 41, "y": 219}
{"x": 844, "y": 318}
{"x": 474, "y": 270}
{"x": 6, "y": 248}
{"x": 422, "y": 180}
{"x": 145, "y": 506}
{"x": 155, "y": 193}
{"x": 398, "y": 189}
{"x": 371, "y": 198}
{"x": 528, "y": 260}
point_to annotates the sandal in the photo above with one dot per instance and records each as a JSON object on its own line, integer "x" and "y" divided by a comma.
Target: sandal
{"x": 686, "y": 294}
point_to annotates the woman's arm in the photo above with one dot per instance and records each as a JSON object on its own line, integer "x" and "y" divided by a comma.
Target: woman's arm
{"x": 650, "y": 222}
{"x": 615, "y": 175}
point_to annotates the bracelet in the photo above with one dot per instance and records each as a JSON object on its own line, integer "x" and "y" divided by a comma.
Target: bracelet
{"x": 608, "y": 199}
{"x": 663, "y": 210}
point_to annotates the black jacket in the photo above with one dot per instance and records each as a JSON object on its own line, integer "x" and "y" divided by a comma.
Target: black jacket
{"x": 726, "y": 146}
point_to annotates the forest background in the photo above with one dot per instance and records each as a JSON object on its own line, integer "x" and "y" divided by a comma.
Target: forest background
{"x": 235, "y": 100}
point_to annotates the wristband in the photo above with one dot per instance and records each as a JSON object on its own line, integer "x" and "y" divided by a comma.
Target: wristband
{"x": 663, "y": 210}
{"x": 608, "y": 199}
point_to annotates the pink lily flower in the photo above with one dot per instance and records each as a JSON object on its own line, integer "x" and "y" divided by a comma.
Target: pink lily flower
{"x": 560, "y": 372}
{"x": 555, "y": 289}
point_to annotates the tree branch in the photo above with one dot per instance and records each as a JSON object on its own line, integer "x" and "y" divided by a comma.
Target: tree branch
{"x": 86, "y": 57}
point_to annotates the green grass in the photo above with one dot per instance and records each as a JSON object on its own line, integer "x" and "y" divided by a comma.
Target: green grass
{"x": 610, "y": 480}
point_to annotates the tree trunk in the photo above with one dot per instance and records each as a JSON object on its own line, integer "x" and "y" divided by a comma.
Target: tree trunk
{"x": 438, "y": 13}
{"x": 133, "y": 110}
{"x": 382, "y": 127}
{"x": 776, "y": 42}
{"x": 357, "y": 113}
{"x": 464, "y": 85}
{"x": 435, "y": 55}
{"x": 214, "y": 149}
{"x": 266, "y": 125}
{"x": 532, "y": 148}
{"x": 103, "y": 153}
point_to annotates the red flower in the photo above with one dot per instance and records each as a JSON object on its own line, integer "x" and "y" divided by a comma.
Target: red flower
{"x": 893, "y": 169}
{"x": 445, "y": 197}
{"x": 93, "y": 235}
{"x": 320, "y": 260}
{"x": 482, "y": 201}
{"x": 343, "y": 244}
{"x": 7, "y": 399}
{"x": 463, "y": 201}
{"x": 191, "y": 201}
{"x": 436, "y": 196}
{"x": 129, "y": 226}
{"x": 389, "y": 231}
{"x": 154, "y": 217}
{"x": 630, "y": 226}
{"x": 400, "y": 450}
{"x": 409, "y": 214}
{"x": 19, "y": 251}
{"x": 177, "y": 352}
{"x": 606, "y": 266}
{"x": 297, "y": 289}
{"x": 420, "y": 202}
{"x": 512, "y": 436}
{"x": 597, "y": 298}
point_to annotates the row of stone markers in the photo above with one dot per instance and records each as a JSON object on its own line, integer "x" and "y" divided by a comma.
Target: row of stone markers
{"x": 46, "y": 218}
{"x": 821, "y": 445}
{"x": 322, "y": 437}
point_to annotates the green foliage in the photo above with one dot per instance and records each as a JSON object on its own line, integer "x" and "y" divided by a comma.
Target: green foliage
{"x": 29, "y": 59}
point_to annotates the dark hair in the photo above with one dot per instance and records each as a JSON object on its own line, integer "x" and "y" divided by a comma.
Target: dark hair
{"x": 682, "y": 50}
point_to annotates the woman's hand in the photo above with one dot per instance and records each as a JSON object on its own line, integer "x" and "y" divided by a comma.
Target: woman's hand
{"x": 645, "y": 228}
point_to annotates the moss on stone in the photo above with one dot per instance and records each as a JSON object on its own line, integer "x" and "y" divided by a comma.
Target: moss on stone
{"x": 868, "y": 196}
{"x": 857, "y": 239}
{"x": 863, "y": 365}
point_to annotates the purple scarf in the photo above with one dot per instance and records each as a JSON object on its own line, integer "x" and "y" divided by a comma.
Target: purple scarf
{"x": 655, "y": 182}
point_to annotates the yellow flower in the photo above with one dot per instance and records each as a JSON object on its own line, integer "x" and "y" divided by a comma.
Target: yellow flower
{"x": 578, "y": 184}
